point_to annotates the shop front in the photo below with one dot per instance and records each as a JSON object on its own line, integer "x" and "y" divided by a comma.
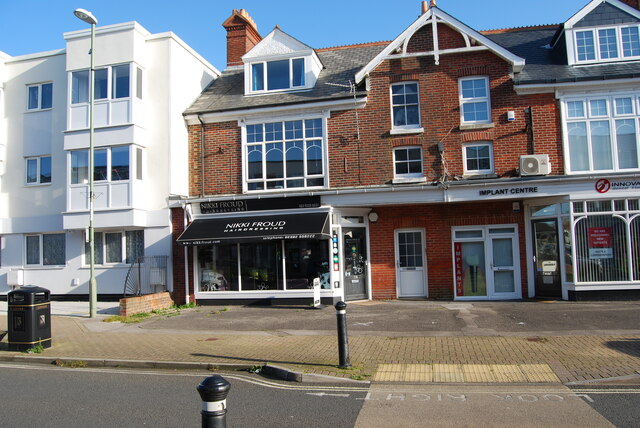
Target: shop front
{"x": 584, "y": 246}
{"x": 265, "y": 249}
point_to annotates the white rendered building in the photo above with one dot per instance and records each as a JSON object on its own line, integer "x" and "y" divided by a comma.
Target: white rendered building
{"x": 143, "y": 83}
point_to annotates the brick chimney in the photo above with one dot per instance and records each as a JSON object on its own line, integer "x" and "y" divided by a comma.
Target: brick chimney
{"x": 633, "y": 3}
{"x": 242, "y": 35}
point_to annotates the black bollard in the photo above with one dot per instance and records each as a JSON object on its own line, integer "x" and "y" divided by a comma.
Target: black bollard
{"x": 343, "y": 340}
{"x": 213, "y": 392}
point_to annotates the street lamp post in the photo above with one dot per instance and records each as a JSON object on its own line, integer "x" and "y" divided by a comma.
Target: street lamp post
{"x": 88, "y": 17}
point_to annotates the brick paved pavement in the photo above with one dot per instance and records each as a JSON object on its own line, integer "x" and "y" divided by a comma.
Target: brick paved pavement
{"x": 571, "y": 357}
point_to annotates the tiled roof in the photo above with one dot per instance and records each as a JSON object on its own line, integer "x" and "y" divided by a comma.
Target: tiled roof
{"x": 341, "y": 64}
{"x": 545, "y": 65}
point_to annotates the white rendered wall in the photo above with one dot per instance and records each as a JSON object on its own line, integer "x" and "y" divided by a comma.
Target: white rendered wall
{"x": 173, "y": 77}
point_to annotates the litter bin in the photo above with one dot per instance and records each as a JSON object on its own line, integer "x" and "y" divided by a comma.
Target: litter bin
{"x": 28, "y": 318}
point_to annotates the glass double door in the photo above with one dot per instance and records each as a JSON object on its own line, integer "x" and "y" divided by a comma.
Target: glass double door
{"x": 486, "y": 263}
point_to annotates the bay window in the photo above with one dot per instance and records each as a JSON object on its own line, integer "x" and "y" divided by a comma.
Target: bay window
{"x": 602, "y": 133}
{"x": 607, "y": 241}
{"x": 285, "y": 155}
{"x": 109, "y": 83}
{"x": 110, "y": 164}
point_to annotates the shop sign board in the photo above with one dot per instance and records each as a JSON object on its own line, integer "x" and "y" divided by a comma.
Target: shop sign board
{"x": 603, "y": 185}
{"x": 242, "y": 205}
{"x": 600, "y": 243}
{"x": 457, "y": 249}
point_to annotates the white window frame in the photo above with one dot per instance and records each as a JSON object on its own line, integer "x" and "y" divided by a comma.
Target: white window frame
{"x": 473, "y": 100}
{"x": 245, "y": 161}
{"x": 611, "y": 117}
{"x": 39, "y": 101}
{"x": 38, "y": 160}
{"x": 41, "y": 255}
{"x": 123, "y": 248}
{"x": 409, "y": 128}
{"x": 265, "y": 75}
{"x": 467, "y": 171}
{"x": 109, "y": 165}
{"x": 409, "y": 175}
{"x": 595, "y": 32}
{"x": 110, "y": 84}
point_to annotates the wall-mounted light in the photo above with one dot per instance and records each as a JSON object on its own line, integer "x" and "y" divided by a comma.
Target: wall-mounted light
{"x": 373, "y": 217}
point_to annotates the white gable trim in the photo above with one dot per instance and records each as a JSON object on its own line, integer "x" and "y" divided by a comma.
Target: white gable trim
{"x": 435, "y": 16}
{"x": 291, "y": 46}
{"x": 595, "y": 3}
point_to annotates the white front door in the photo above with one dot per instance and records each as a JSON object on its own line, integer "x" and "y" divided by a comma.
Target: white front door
{"x": 503, "y": 268}
{"x": 410, "y": 263}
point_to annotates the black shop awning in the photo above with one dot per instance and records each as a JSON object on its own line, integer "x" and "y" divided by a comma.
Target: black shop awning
{"x": 256, "y": 228}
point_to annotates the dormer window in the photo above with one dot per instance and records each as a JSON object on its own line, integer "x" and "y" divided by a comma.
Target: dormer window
{"x": 278, "y": 75}
{"x": 607, "y": 44}
{"x": 280, "y": 63}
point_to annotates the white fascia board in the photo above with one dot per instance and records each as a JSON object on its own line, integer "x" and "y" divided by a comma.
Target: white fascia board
{"x": 289, "y": 46}
{"x": 595, "y": 3}
{"x": 227, "y": 116}
{"x": 592, "y": 85}
{"x": 39, "y": 55}
{"x": 125, "y": 26}
{"x": 436, "y": 13}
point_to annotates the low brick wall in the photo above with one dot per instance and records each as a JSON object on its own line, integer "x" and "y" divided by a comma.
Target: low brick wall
{"x": 146, "y": 303}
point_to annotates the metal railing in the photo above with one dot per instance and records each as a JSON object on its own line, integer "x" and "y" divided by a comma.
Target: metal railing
{"x": 147, "y": 275}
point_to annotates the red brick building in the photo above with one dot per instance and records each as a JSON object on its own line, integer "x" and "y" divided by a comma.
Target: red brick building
{"x": 446, "y": 164}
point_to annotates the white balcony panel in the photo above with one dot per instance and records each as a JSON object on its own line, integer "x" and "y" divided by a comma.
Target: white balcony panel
{"x": 120, "y": 195}
{"x": 106, "y": 219}
{"x": 104, "y": 137}
{"x": 79, "y": 116}
{"x": 120, "y": 112}
{"x": 101, "y": 192}
{"x": 100, "y": 114}
{"x": 78, "y": 200}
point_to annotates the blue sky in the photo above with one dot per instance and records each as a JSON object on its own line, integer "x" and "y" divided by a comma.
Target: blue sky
{"x": 28, "y": 26}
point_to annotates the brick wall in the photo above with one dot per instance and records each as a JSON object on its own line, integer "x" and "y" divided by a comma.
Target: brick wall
{"x": 177, "y": 227}
{"x": 146, "y": 303}
{"x": 437, "y": 220}
{"x": 368, "y": 161}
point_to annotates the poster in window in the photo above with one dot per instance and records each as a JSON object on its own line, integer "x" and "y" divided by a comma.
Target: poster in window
{"x": 600, "y": 243}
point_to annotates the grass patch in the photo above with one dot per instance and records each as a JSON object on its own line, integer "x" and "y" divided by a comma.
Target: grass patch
{"x": 171, "y": 311}
{"x": 35, "y": 349}
{"x": 76, "y": 364}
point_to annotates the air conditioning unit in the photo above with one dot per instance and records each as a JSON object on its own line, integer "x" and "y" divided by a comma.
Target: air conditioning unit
{"x": 535, "y": 165}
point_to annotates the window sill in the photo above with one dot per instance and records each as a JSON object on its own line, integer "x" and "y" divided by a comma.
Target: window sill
{"x": 408, "y": 180}
{"x": 475, "y": 126}
{"x": 406, "y": 131}
{"x": 38, "y": 110}
{"x": 479, "y": 176}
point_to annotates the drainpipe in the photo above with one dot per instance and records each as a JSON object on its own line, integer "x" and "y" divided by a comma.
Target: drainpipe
{"x": 201, "y": 155}
{"x": 533, "y": 143}
{"x": 186, "y": 258}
